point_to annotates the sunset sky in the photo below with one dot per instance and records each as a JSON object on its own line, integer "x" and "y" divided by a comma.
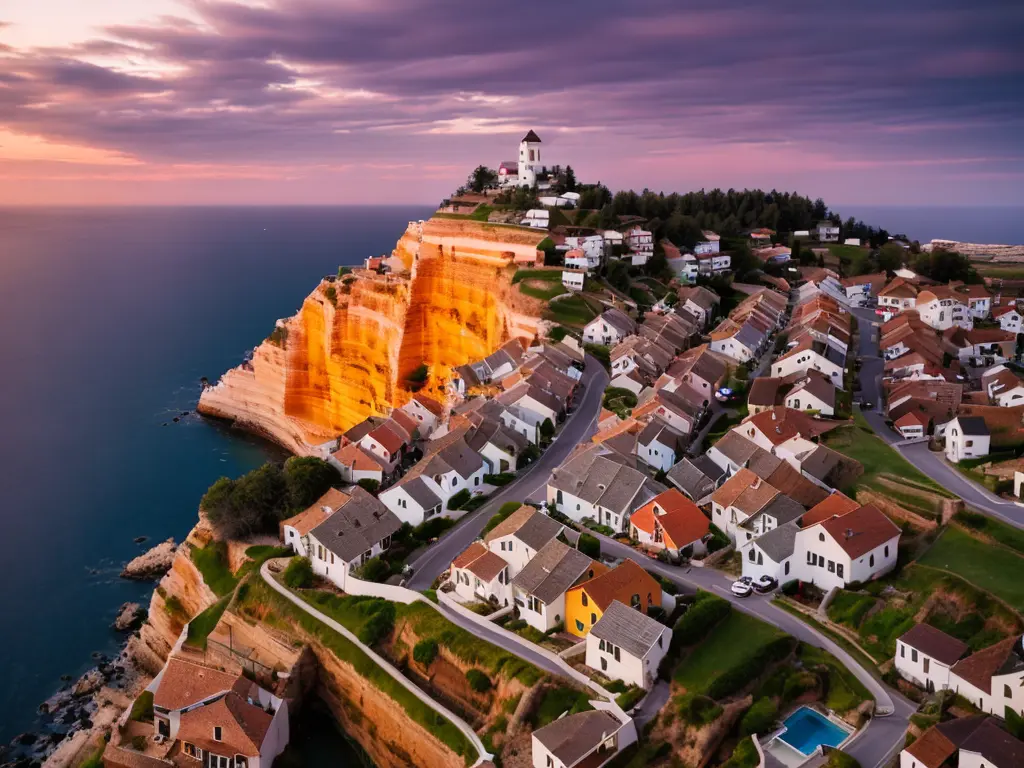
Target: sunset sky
{"x": 367, "y": 101}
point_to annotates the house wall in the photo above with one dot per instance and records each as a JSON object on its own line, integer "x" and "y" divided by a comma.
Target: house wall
{"x": 630, "y": 669}
{"x": 1011, "y": 321}
{"x": 970, "y": 759}
{"x": 524, "y": 428}
{"x": 805, "y": 401}
{"x": 957, "y": 448}
{"x": 513, "y": 551}
{"x": 276, "y": 738}
{"x": 403, "y": 505}
{"x": 911, "y": 663}
{"x": 865, "y": 568}
{"x": 807, "y": 360}
{"x": 497, "y": 459}
{"x": 579, "y": 618}
{"x": 549, "y": 615}
{"x": 326, "y": 564}
{"x": 762, "y": 565}
{"x": 471, "y": 587}
{"x": 732, "y": 348}
{"x": 292, "y": 539}
{"x": 657, "y": 455}
{"x": 943, "y": 314}
{"x": 425, "y": 417}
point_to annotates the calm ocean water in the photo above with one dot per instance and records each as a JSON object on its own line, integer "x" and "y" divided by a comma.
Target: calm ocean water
{"x": 108, "y": 319}
{"x": 999, "y": 225}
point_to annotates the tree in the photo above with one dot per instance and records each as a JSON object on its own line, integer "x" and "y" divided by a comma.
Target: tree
{"x": 589, "y": 546}
{"x": 481, "y": 178}
{"x": 369, "y": 485}
{"x": 608, "y": 218}
{"x": 298, "y": 574}
{"x": 527, "y": 456}
{"x": 570, "y": 179}
{"x": 618, "y": 275}
{"x": 890, "y": 257}
{"x": 308, "y": 478}
{"x": 547, "y": 430}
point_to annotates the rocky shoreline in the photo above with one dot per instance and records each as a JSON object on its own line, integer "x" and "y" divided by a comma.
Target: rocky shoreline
{"x": 83, "y": 709}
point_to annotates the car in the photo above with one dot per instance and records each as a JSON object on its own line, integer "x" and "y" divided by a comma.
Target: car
{"x": 742, "y": 587}
{"x": 764, "y": 583}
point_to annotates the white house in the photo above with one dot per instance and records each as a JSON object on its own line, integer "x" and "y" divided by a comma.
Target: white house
{"x": 358, "y": 530}
{"x": 498, "y": 445}
{"x": 530, "y": 164}
{"x": 925, "y": 654}
{"x": 538, "y": 218}
{"x": 658, "y": 445}
{"x": 812, "y": 355}
{"x": 427, "y": 411}
{"x": 942, "y": 308}
{"x": 742, "y": 343}
{"x": 710, "y": 244}
{"x": 967, "y": 437}
{"x": 414, "y": 500}
{"x": 641, "y": 243}
{"x": 966, "y": 742}
{"x": 479, "y": 574}
{"x": 851, "y": 241}
{"x": 609, "y": 328}
{"x": 520, "y": 536}
{"x": 295, "y": 530}
{"x": 219, "y": 719}
{"x": 1009, "y": 318}
{"x": 813, "y": 393}
{"x": 672, "y": 522}
{"x": 992, "y": 679}
{"x": 540, "y": 587}
{"x": 828, "y": 232}
{"x": 626, "y": 645}
{"x": 577, "y": 259}
{"x": 592, "y": 247}
{"x": 573, "y": 279}
{"x": 583, "y": 739}
{"x": 355, "y": 464}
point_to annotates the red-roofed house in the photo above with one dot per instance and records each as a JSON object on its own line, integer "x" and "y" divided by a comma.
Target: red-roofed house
{"x": 479, "y": 574}
{"x": 912, "y": 424}
{"x": 672, "y": 522}
{"x": 858, "y": 546}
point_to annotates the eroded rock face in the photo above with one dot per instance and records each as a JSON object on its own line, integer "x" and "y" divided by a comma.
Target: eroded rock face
{"x": 152, "y": 564}
{"x": 345, "y": 355}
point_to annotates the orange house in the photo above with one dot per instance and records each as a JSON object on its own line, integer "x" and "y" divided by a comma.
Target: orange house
{"x": 628, "y": 583}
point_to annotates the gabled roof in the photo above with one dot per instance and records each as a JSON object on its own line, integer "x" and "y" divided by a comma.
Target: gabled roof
{"x": 621, "y": 583}
{"x": 736, "y": 447}
{"x": 533, "y": 528}
{"x": 780, "y": 424}
{"x": 357, "y": 526}
{"x": 994, "y": 745}
{"x": 629, "y": 629}
{"x": 766, "y": 390}
{"x": 836, "y": 505}
{"x": 480, "y": 561}
{"x": 861, "y": 531}
{"x": 745, "y": 491}
{"x": 972, "y": 425}
{"x": 430, "y": 404}
{"x": 553, "y": 570}
{"x": 243, "y": 726}
{"x": 934, "y": 643}
{"x": 532, "y": 137}
{"x": 818, "y": 386}
{"x": 184, "y": 683}
{"x": 318, "y": 511}
{"x": 940, "y": 742}
{"x": 618, "y": 320}
{"x": 778, "y": 543}
{"x": 573, "y": 737}
{"x": 680, "y": 519}
{"x": 696, "y": 477}
{"x": 1003, "y": 658}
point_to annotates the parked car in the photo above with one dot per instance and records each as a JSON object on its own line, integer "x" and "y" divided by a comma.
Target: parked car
{"x": 742, "y": 587}
{"x": 765, "y": 584}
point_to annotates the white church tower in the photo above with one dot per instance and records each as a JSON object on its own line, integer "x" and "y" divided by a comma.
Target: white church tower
{"x": 529, "y": 160}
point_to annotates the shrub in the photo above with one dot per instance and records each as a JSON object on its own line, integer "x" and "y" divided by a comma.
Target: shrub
{"x": 425, "y": 651}
{"x": 589, "y": 546}
{"x": 431, "y": 529}
{"x": 458, "y": 499}
{"x": 734, "y": 679}
{"x": 298, "y": 574}
{"x": 419, "y": 374}
{"x": 547, "y": 429}
{"x": 527, "y": 456}
{"x": 600, "y": 352}
{"x": 476, "y": 502}
{"x": 369, "y": 485}
{"x": 142, "y": 708}
{"x": 478, "y": 681}
{"x": 1014, "y": 723}
{"x": 502, "y": 478}
{"x": 797, "y": 684}
{"x": 630, "y": 699}
{"x": 279, "y": 336}
{"x": 503, "y": 512}
{"x": 380, "y": 623}
{"x": 759, "y": 718}
{"x": 744, "y": 756}
{"x": 695, "y": 709}
{"x": 557, "y": 333}
{"x": 839, "y": 759}
{"x": 718, "y": 539}
{"x": 694, "y": 625}
{"x": 791, "y": 587}
{"x": 174, "y": 607}
{"x": 375, "y": 570}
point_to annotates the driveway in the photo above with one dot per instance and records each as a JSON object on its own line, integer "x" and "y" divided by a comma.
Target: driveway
{"x": 580, "y": 426}
{"x": 882, "y": 737}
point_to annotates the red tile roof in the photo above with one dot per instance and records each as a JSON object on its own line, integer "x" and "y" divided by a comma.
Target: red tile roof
{"x": 860, "y": 531}
{"x": 836, "y": 505}
{"x": 680, "y": 519}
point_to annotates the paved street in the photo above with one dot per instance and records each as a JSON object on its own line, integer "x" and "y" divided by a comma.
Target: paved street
{"x": 579, "y": 426}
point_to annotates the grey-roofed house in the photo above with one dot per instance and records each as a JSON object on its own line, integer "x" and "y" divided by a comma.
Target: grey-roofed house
{"x": 522, "y": 535}
{"x": 602, "y": 485}
{"x": 497, "y": 444}
{"x": 610, "y": 327}
{"x": 777, "y": 512}
{"x": 696, "y": 477}
{"x": 732, "y": 451}
{"x": 658, "y": 445}
{"x": 769, "y": 553}
{"x": 583, "y": 739}
{"x": 967, "y": 437}
{"x": 828, "y": 468}
{"x": 627, "y": 645}
{"x": 539, "y": 588}
{"x": 358, "y": 530}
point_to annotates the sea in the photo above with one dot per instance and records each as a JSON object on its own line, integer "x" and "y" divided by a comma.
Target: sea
{"x": 109, "y": 318}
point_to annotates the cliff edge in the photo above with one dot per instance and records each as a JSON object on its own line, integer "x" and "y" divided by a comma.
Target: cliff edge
{"x": 347, "y": 352}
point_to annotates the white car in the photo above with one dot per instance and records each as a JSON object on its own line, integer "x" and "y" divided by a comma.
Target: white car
{"x": 764, "y": 584}
{"x": 742, "y": 587}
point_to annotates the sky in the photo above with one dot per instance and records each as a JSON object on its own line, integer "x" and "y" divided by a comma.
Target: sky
{"x": 901, "y": 102}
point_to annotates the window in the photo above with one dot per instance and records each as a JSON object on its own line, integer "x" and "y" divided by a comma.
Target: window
{"x": 503, "y": 546}
{"x": 831, "y": 566}
{"x": 839, "y": 570}
{"x": 579, "y": 625}
{"x": 786, "y": 568}
{"x": 913, "y": 655}
{"x": 617, "y": 653}
{"x": 593, "y": 618}
{"x": 821, "y": 537}
{"x": 332, "y": 558}
{"x": 926, "y": 664}
{"x": 750, "y": 555}
{"x": 583, "y": 599}
{"x": 551, "y": 763}
{"x": 190, "y": 749}
{"x": 634, "y": 601}
{"x": 1007, "y": 692}
{"x": 455, "y": 481}
{"x": 903, "y": 651}
{"x": 871, "y": 561}
{"x": 886, "y": 550}
{"x": 604, "y": 664}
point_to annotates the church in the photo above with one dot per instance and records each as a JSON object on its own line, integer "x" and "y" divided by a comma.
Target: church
{"x": 524, "y": 172}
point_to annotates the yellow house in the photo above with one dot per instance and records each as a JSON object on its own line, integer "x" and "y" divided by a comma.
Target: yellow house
{"x": 628, "y": 583}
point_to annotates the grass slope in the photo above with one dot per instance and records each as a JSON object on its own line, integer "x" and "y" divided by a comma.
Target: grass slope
{"x": 736, "y": 638}
{"x": 994, "y": 569}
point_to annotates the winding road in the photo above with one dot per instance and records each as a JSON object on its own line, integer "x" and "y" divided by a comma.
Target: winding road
{"x": 579, "y": 426}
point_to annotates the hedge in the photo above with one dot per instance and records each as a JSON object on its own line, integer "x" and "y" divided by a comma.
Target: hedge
{"x": 478, "y": 681}
{"x": 694, "y": 625}
{"x": 760, "y": 717}
{"x": 425, "y": 651}
{"x": 734, "y": 679}
{"x": 458, "y": 499}
{"x": 298, "y": 574}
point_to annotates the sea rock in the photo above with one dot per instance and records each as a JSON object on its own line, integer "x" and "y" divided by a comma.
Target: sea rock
{"x": 88, "y": 683}
{"x": 129, "y": 616}
{"x": 140, "y": 539}
{"x": 152, "y": 564}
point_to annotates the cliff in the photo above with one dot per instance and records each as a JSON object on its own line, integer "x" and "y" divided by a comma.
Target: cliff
{"x": 346, "y": 353}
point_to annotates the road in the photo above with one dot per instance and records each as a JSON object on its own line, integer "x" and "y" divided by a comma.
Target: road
{"x": 579, "y": 426}
{"x": 883, "y": 736}
{"x": 931, "y": 464}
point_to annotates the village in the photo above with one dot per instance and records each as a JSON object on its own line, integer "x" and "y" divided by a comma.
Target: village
{"x": 737, "y": 505}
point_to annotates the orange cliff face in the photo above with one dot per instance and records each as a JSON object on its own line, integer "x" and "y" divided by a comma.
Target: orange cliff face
{"x": 448, "y": 301}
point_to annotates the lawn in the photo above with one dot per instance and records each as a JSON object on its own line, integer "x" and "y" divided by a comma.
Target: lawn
{"x": 730, "y": 643}
{"x": 212, "y": 563}
{"x": 845, "y": 691}
{"x": 884, "y": 463}
{"x": 1001, "y": 532}
{"x": 658, "y": 288}
{"x": 993, "y": 568}
{"x": 1005, "y": 271}
{"x": 572, "y": 311}
{"x": 556, "y": 701}
{"x": 540, "y": 283}
{"x": 202, "y": 625}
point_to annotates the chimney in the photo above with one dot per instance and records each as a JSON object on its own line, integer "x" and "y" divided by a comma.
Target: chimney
{"x": 849, "y": 533}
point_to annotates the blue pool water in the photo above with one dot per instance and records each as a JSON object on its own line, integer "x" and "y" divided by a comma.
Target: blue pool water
{"x": 806, "y": 729}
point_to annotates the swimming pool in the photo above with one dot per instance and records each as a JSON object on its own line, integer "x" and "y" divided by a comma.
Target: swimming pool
{"x": 806, "y": 729}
